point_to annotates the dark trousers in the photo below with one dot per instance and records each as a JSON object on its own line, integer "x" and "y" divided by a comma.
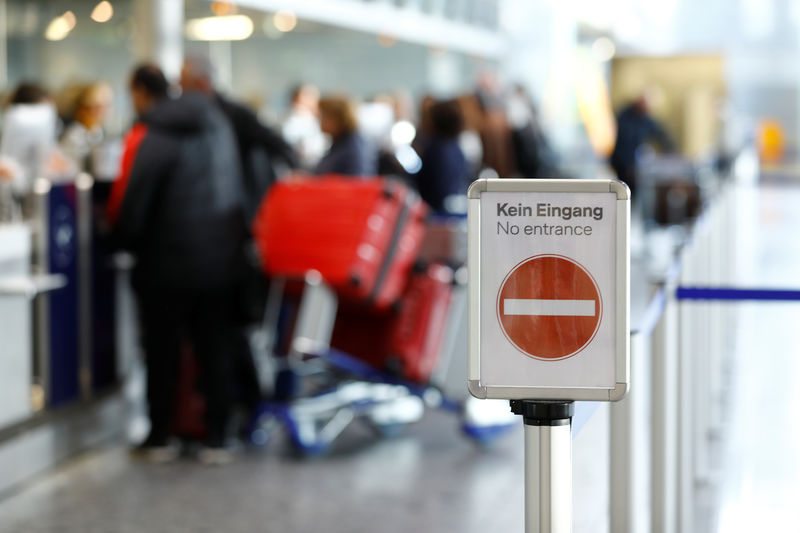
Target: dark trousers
{"x": 245, "y": 386}
{"x": 204, "y": 318}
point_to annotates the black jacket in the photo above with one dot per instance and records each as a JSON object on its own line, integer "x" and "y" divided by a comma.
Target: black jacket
{"x": 634, "y": 128}
{"x": 181, "y": 214}
{"x": 259, "y": 147}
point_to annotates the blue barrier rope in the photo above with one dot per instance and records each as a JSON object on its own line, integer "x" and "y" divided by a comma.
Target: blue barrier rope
{"x": 652, "y": 314}
{"x": 734, "y": 294}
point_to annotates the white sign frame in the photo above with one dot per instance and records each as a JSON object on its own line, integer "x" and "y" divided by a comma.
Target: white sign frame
{"x": 622, "y": 312}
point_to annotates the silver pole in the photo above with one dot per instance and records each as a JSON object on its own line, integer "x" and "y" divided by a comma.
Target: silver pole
{"x": 84, "y": 184}
{"x": 548, "y": 465}
{"x": 41, "y": 265}
{"x": 158, "y": 35}
{"x": 664, "y": 425}
{"x": 3, "y": 43}
{"x": 687, "y": 316}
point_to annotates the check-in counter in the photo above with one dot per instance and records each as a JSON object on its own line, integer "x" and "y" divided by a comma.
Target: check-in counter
{"x": 21, "y": 288}
{"x": 57, "y": 315}
{"x": 57, "y": 330}
{"x": 74, "y": 327}
{"x": 16, "y": 339}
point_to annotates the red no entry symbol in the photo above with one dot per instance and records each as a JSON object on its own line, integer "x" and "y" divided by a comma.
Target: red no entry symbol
{"x": 549, "y": 307}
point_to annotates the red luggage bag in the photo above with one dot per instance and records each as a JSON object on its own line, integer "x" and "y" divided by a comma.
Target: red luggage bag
{"x": 362, "y": 235}
{"x": 406, "y": 340}
{"x": 418, "y": 330}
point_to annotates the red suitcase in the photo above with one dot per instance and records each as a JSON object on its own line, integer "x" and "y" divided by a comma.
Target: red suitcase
{"x": 406, "y": 340}
{"x": 417, "y": 332}
{"x": 362, "y": 235}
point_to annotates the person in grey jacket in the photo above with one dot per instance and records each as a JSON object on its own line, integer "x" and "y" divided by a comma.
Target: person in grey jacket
{"x": 181, "y": 215}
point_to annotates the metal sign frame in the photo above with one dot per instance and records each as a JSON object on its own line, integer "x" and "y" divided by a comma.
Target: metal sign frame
{"x": 622, "y": 274}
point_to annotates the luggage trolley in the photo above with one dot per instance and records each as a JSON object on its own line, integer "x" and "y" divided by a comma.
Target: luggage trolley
{"x": 673, "y": 188}
{"x": 337, "y": 387}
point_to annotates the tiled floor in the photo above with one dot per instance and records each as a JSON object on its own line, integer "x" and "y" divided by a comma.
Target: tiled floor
{"x": 431, "y": 480}
{"x": 759, "y": 482}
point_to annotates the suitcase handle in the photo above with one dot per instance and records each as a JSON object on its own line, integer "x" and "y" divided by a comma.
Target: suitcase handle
{"x": 402, "y": 219}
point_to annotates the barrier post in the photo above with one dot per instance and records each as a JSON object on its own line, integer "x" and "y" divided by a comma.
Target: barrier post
{"x": 548, "y": 464}
{"x": 628, "y": 481}
{"x": 84, "y": 184}
{"x": 701, "y": 355}
{"x": 41, "y": 344}
{"x": 686, "y": 408}
{"x": 715, "y": 326}
{"x": 664, "y": 443}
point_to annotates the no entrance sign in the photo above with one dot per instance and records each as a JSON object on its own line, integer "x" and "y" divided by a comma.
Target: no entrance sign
{"x": 549, "y": 282}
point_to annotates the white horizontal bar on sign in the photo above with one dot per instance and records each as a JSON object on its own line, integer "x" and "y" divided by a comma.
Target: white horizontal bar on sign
{"x": 532, "y": 307}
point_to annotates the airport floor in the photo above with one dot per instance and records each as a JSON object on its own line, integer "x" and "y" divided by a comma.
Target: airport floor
{"x": 758, "y": 476}
{"x": 431, "y": 479}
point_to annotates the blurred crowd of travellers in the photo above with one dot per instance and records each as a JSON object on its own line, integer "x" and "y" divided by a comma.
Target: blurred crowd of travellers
{"x": 190, "y": 179}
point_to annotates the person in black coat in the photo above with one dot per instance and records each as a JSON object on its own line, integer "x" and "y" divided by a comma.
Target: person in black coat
{"x": 260, "y": 148}
{"x": 350, "y": 154}
{"x": 534, "y": 156}
{"x": 445, "y": 172}
{"x": 181, "y": 215}
{"x": 635, "y": 127}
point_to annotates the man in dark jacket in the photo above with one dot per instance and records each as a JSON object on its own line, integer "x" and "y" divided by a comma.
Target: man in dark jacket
{"x": 259, "y": 147}
{"x": 181, "y": 216}
{"x": 635, "y": 127}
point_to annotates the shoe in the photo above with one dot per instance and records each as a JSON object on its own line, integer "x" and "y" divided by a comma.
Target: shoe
{"x": 215, "y": 456}
{"x": 157, "y": 453}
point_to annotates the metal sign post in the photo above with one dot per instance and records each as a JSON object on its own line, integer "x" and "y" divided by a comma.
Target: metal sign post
{"x": 548, "y": 464}
{"x": 548, "y": 316}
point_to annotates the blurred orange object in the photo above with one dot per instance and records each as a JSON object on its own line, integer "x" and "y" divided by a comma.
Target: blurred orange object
{"x": 770, "y": 141}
